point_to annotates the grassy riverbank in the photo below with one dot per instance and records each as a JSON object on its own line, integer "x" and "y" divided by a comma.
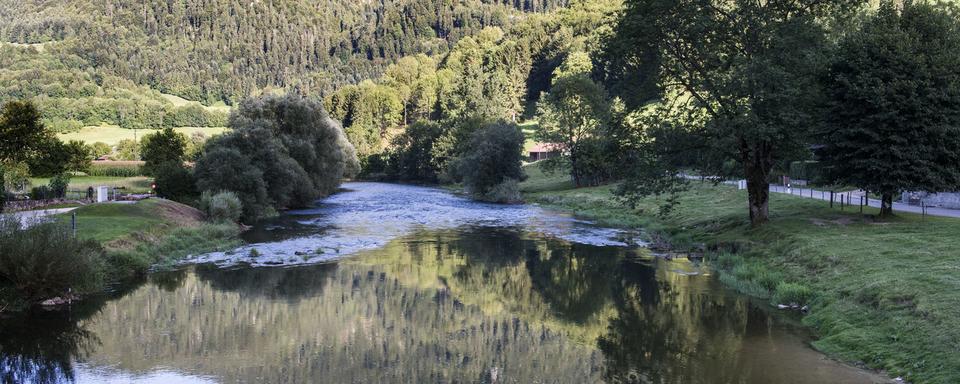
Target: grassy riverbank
{"x": 150, "y": 232}
{"x": 883, "y": 293}
{"x": 114, "y": 242}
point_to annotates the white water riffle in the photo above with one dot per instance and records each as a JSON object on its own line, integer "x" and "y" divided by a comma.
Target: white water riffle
{"x": 369, "y": 215}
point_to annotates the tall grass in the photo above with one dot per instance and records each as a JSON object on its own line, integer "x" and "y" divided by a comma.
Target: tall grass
{"x": 116, "y": 169}
{"x": 45, "y": 260}
{"x": 172, "y": 247}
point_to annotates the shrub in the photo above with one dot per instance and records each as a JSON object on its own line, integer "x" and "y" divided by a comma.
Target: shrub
{"x": 228, "y": 169}
{"x": 413, "y": 156}
{"x": 58, "y": 186}
{"x": 792, "y": 293}
{"x": 52, "y": 159}
{"x": 128, "y": 150}
{"x": 175, "y": 182}
{"x": 493, "y": 158}
{"x": 46, "y": 260}
{"x": 507, "y": 192}
{"x": 223, "y": 207}
{"x": 16, "y": 176}
{"x": 40, "y": 193}
{"x": 100, "y": 149}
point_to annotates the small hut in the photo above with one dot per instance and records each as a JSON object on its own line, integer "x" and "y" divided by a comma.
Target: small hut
{"x": 541, "y": 151}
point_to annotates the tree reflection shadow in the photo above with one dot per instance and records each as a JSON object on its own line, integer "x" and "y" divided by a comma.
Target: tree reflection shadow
{"x": 670, "y": 330}
{"x": 41, "y": 346}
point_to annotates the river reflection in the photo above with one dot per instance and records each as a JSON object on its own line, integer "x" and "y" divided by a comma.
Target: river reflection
{"x": 471, "y": 305}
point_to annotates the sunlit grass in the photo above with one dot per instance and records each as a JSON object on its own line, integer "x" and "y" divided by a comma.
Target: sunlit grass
{"x": 112, "y": 134}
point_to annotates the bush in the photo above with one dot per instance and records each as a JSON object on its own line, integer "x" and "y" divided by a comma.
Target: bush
{"x": 16, "y": 176}
{"x": 40, "y": 193}
{"x": 792, "y": 294}
{"x": 507, "y": 192}
{"x": 58, "y": 186}
{"x": 127, "y": 150}
{"x": 493, "y": 158}
{"x": 51, "y": 159}
{"x": 175, "y": 182}
{"x": 228, "y": 169}
{"x": 100, "y": 149}
{"x": 46, "y": 260}
{"x": 223, "y": 207}
{"x": 413, "y": 156}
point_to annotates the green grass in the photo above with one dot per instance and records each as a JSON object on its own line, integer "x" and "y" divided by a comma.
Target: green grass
{"x": 150, "y": 232}
{"x": 138, "y": 184}
{"x": 112, "y": 134}
{"x": 181, "y": 102}
{"x": 108, "y": 222}
{"x": 529, "y": 128}
{"x": 882, "y": 293}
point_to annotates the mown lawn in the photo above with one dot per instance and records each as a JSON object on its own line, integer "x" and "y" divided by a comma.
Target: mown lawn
{"x": 886, "y": 292}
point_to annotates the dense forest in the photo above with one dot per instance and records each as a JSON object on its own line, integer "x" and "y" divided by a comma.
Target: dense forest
{"x": 93, "y": 62}
{"x": 223, "y": 50}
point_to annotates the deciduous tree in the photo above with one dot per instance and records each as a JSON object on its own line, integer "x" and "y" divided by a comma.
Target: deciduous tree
{"x": 894, "y": 103}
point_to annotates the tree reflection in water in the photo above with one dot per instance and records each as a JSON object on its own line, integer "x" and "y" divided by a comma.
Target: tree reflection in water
{"x": 470, "y": 305}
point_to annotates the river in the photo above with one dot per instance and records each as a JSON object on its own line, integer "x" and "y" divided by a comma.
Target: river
{"x": 385, "y": 283}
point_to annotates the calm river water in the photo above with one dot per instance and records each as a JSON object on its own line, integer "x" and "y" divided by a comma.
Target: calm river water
{"x": 398, "y": 284}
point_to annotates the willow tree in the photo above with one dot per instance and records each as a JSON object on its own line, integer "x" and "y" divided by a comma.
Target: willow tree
{"x": 749, "y": 66}
{"x": 894, "y": 103}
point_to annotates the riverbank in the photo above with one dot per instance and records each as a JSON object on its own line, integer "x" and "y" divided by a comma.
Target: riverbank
{"x": 883, "y": 294}
{"x": 132, "y": 238}
{"x": 152, "y": 232}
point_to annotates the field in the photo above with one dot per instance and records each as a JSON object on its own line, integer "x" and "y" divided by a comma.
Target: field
{"x": 886, "y": 293}
{"x": 180, "y": 102}
{"x": 112, "y": 134}
{"x": 138, "y": 184}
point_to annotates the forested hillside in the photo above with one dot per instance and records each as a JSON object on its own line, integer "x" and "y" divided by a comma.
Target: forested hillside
{"x": 92, "y": 62}
{"x": 225, "y": 49}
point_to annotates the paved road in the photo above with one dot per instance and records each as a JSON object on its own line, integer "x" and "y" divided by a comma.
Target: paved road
{"x": 851, "y": 196}
{"x": 854, "y": 198}
{"x": 28, "y": 218}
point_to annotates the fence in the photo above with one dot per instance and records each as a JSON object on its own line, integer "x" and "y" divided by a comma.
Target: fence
{"x": 72, "y": 196}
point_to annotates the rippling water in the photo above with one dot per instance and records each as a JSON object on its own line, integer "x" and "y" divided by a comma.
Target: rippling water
{"x": 369, "y": 215}
{"x": 426, "y": 288}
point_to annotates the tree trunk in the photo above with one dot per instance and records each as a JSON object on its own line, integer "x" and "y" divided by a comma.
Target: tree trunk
{"x": 574, "y": 171}
{"x": 758, "y": 196}
{"x": 757, "y": 163}
{"x": 886, "y": 204}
